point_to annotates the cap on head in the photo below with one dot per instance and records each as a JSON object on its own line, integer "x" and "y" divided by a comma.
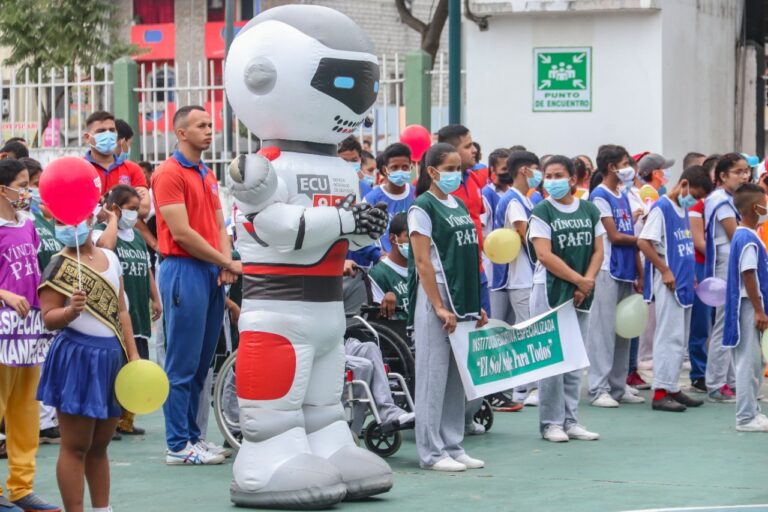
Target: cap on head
{"x": 653, "y": 161}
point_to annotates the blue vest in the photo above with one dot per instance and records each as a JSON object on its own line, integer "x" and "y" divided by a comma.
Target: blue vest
{"x": 679, "y": 254}
{"x": 623, "y": 263}
{"x": 501, "y": 272}
{"x": 394, "y": 206}
{"x": 742, "y": 238}
{"x": 710, "y": 254}
{"x": 492, "y": 197}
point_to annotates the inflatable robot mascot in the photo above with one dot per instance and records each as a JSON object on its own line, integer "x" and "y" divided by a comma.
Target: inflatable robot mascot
{"x": 301, "y": 78}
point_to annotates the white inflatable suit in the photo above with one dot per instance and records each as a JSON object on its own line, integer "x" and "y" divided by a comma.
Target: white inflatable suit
{"x": 301, "y": 78}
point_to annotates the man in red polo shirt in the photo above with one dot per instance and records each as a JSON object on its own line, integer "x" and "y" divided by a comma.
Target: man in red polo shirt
{"x": 197, "y": 261}
{"x": 101, "y": 137}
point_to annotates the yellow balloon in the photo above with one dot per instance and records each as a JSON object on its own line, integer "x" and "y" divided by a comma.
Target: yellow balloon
{"x": 502, "y": 245}
{"x": 631, "y": 316}
{"x": 649, "y": 194}
{"x": 141, "y": 387}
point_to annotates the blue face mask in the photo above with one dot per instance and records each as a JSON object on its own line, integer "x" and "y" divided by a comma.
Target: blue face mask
{"x": 404, "y": 249}
{"x": 399, "y": 178}
{"x": 122, "y": 157}
{"x": 558, "y": 189}
{"x": 662, "y": 190}
{"x": 449, "y": 181}
{"x": 368, "y": 179}
{"x": 535, "y": 180}
{"x": 105, "y": 142}
{"x": 72, "y": 236}
{"x": 35, "y": 198}
{"x": 686, "y": 201}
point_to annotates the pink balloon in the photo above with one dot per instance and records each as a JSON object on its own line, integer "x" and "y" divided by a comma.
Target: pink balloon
{"x": 418, "y": 139}
{"x": 711, "y": 291}
{"x": 70, "y": 188}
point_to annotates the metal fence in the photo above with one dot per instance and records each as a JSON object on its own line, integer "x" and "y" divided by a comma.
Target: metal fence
{"x": 49, "y": 107}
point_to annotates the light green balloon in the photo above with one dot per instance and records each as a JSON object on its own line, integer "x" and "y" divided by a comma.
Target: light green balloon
{"x": 631, "y": 316}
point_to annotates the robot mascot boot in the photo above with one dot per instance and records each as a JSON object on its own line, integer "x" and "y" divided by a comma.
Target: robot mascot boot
{"x": 301, "y": 78}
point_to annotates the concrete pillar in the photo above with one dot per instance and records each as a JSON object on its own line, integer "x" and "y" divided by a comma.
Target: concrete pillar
{"x": 125, "y": 73}
{"x": 190, "y": 17}
{"x": 418, "y": 89}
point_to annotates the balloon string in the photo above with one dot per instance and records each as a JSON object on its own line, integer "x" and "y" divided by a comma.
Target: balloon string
{"x": 79, "y": 275}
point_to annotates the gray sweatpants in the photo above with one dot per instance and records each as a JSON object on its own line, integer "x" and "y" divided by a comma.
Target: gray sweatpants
{"x": 749, "y": 365}
{"x": 558, "y": 395}
{"x": 366, "y": 363}
{"x": 608, "y": 352}
{"x": 719, "y": 358}
{"x": 439, "y": 392}
{"x": 673, "y": 325}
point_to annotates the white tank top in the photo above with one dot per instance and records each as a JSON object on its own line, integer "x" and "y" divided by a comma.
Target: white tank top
{"x": 86, "y": 323}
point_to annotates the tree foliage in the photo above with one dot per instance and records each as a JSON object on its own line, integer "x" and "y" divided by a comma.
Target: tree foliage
{"x": 60, "y": 33}
{"x": 430, "y": 31}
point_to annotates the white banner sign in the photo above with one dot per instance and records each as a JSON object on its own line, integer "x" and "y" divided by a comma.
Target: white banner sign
{"x": 499, "y": 356}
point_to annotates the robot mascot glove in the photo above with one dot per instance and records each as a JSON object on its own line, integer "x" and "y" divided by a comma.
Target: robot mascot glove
{"x": 369, "y": 220}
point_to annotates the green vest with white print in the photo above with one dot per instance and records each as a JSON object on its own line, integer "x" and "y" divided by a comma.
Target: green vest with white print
{"x": 455, "y": 238}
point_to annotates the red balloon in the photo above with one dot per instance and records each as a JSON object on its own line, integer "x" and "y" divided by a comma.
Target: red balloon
{"x": 70, "y": 188}
{"x": 418, "y": 139}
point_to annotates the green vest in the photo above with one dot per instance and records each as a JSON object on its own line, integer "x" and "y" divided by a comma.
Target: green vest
{"x": 573, "y": 241}
{"x": 134, "y": 258}
{"x": 390, "y": 281}
{"x": 49, "y": 246}
{"x": 455, "y": 238}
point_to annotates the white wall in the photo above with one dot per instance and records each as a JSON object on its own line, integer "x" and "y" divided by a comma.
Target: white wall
{"x": 662, "y": 80}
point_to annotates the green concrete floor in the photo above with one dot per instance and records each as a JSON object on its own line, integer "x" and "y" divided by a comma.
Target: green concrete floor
{"x": 645, "y": 460}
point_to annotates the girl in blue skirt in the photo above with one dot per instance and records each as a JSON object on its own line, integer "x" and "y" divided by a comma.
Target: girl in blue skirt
{"x": 86, "y": 304}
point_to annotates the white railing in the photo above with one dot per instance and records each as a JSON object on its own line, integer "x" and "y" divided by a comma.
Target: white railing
{"x": 161, "y": 90}
{"x": 68, "y": 97}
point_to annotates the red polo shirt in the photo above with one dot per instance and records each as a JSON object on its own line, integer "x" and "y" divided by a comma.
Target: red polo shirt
{"x": 470, "y": 191}
{"x": 179, "y": 181}
{"x": 119, "y": 173}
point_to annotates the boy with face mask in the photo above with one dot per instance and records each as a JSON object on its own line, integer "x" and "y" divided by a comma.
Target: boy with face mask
{"x": 389, "y": 278}
{"x": 667, "y": 243}
{"x": 745, "y": 306}
{"x": 19, "y": 362}
{"x": 396, "y": 190}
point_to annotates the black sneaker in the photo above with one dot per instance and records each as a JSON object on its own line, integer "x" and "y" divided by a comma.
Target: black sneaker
{"x": 135, "y": 431}
{"x": 668, "y": 404}
{"x": 50, "y": 436}
{"x": 117, "y": 436}
{"x": 686, "y": 400}
{"x": 698, "y": 385}
{"x": 502, "y": 403}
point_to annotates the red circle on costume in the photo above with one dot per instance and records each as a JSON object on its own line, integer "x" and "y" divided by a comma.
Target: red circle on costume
{"x": 70, "y": 189}
{"x": 265, "y": 366}
{"x": 418, "y": 139}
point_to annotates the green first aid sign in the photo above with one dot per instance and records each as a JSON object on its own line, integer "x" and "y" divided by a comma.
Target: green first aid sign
{"x": 562, "y": 79}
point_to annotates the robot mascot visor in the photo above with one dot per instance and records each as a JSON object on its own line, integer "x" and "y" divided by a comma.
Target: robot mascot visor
{"x": 301, "y": 78}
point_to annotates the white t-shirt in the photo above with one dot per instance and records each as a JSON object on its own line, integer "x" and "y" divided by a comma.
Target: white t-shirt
{"x": 722, "y": 244}
{"x": 636, "y": 203}
{"x": 376, "y": 291}
{"x": 520, "y": 271}
{"x": 605, "y": 211}
{"x": 419, "y": 222}
{"x": 537, "y": 228}
{"x": 86, "y": 323}
{"x": 654, "y": 228}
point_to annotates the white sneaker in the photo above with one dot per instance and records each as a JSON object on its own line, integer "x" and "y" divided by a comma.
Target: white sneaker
{"x": 630, "y": 389}
{"x": 406, "y": 418}
{"x": 629, "y": 398}
{"x": 470, "y": 462}
{"x": 215, "y": 449}
{"x": 604, "y": 400}
{"x": 758, "y": 424}
{"x": 555, "y": 433}
{"x": 447, "y": 464}
{"x": 192, "y": 455}
{"x": 532, "y": 399}
{"x": 475, "y": 429}
{"x": 582, "y": 434}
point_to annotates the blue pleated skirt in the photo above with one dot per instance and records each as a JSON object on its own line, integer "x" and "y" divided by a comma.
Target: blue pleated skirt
{"x": 79, "y": 373}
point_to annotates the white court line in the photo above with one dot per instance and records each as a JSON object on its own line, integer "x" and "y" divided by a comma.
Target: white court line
{"x": 696, "y": 509}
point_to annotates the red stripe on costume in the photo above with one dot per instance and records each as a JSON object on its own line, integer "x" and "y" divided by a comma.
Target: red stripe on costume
{"x": 265, "y": 366}
{"x": 331, "y": 264}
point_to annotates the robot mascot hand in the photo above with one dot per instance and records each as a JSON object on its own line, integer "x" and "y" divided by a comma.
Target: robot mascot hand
{"x": 300, "y": 77}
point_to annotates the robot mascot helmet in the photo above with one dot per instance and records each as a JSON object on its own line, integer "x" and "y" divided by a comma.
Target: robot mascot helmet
{"x": 300, "y": 77}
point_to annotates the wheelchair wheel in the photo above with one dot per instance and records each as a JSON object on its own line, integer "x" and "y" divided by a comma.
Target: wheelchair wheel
{"x": 485, "y": 415}
{"x": 380, "y": 443}
{"x": 395, "y": 351}
{"x": 225, "y": 405}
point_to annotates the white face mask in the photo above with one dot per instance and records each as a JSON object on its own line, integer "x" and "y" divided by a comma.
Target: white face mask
{"x": 626, "y": 175}
{"x": 128, "y": 219}
{"x": 762, "y": 219}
